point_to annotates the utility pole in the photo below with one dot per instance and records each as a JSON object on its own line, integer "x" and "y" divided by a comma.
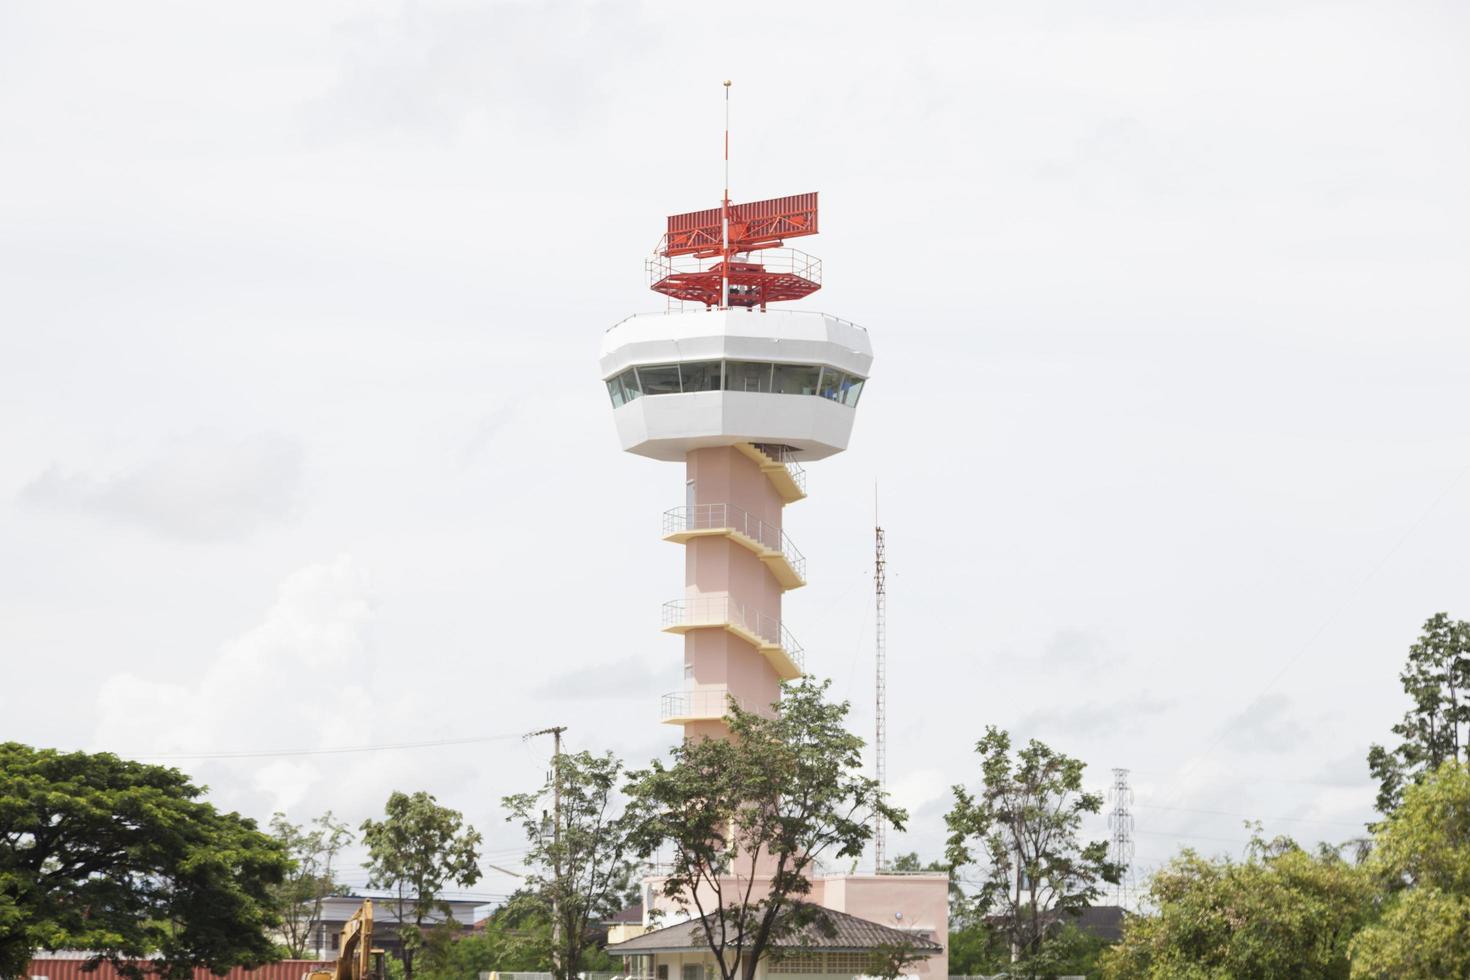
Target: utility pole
{"x": 555, "y": 732}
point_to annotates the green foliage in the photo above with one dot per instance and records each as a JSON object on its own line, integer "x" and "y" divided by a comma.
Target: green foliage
{"x": 579, "y": 867}
{"x": 298, "y": 898}
{"x": 1436, "y": 677}
{"x": 100, "y": 853}
{"x": 418, "y": 849}
{"x": 1423, "y": 858}
{"x": 780, "y": 792}
{"x": 1023, "y": 831}
{"x": 1280, "y": 913}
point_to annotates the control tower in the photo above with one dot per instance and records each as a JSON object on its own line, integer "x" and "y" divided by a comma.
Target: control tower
{"x": 741, "y": 395}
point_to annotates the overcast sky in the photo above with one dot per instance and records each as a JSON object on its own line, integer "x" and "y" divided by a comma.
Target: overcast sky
{"x": 303, "y": 443}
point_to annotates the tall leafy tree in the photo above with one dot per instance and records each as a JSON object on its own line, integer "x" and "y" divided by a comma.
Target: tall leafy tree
{"x": 580, "y": 859}
{"x": 415, "y": 852}
{"x": 1281, "y": 912}
{"x": 100, "y": 853}
{"x": 744, "y": 819}
{"x": 1422, "y": 858}
{"x": 313, "y": 850}
{"x": 1436, "y": 677}
{"x": 1022, "y": 829}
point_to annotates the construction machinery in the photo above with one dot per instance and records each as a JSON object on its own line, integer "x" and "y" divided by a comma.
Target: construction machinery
{"x": 356, "y": 957}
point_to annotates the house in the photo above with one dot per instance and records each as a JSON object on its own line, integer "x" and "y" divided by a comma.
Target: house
{"x": 337, "y": 909}
{"x": 845, "y": 946}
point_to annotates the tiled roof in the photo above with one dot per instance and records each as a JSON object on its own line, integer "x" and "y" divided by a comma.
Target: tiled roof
{"x": 848, "y": 933}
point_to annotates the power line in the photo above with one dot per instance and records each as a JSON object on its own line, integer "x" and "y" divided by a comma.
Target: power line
{"x": 277, "y": 753}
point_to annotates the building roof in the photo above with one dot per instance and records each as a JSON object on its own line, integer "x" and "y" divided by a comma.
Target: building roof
{"x": 848, "y": 934}
{"x": 629, "y": 913}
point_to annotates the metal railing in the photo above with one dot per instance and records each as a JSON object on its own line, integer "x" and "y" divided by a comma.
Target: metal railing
{"x": 719, "y": 610}
{"x": 700, "y": 308}
{"x": 711, "y": 517}
{"x": 785, "y": 261}
{"x": 707, "y": 703}
{"x": 787, "y": 458}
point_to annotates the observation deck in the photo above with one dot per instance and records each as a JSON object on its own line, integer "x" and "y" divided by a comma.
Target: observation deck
{"x": 687, "y": 380}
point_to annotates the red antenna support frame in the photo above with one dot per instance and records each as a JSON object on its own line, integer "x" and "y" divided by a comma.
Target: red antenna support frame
{"x": 730, "y": 233}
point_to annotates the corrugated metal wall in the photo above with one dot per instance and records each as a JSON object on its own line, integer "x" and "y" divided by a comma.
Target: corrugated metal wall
{"x": 71, "y": 969}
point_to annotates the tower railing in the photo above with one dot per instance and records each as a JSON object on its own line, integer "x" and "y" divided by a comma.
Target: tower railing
{"x": 785, "y": 261}
{"x": 718, "y": 517}
{"x": 786, "y": 458}
{"x": 704, "y": 703}
{"x": 721, "y": 610}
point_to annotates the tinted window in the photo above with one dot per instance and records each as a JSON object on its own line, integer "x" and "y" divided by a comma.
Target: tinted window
{"x": 747, "y": 376}
{"x": 831, "y": 386}
{"x": 852, "y": 388}
{"x": 630, "y": 385}
{"x": 795, "y": 379}
{"x": 615, "y": 391}
{"x": 700, "y": 376}
{"x": 659, "y": 379}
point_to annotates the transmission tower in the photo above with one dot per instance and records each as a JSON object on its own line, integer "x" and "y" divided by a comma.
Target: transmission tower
{"x": 1120, "y": 822}
{"x": 880, "y": 714}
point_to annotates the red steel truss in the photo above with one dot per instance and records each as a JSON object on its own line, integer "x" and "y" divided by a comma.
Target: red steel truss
{"x": 755, "y": 226}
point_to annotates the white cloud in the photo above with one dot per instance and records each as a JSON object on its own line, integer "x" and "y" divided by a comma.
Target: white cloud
{"x": 201, "y": 487}
{"x": 293, "y": 682}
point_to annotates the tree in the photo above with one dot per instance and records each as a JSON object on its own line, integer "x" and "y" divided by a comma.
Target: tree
{"x": 746, "y": 817}
{"x": 580, "y": 858}
{"x": 1024, "y": 827}
{"x": 100, "y": 853}
{"x": 1281, "y": 912}
{"x": 414, "y": 853}
{"x": 1422, "y": 858}
{"x": 1436, "y": 677}
{"x": 298, "y": 898}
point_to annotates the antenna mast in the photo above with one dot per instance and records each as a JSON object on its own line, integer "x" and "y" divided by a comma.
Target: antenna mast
{"x": 725, "y": 213}
{"x": 880, "y": 641}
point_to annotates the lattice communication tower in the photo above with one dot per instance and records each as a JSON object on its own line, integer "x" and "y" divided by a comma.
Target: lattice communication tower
{"x": 1120, "y": 822}
{"x": 880, "y": 713}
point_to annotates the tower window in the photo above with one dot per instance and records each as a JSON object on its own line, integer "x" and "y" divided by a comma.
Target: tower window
{"x": 659, "y": 379}
{"x": 700, "y": 376}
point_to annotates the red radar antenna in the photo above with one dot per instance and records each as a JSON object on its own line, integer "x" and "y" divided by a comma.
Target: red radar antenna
{"x": 706, "y": 256}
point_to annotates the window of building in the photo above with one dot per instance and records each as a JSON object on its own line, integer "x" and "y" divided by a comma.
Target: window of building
{"x": 692, "y": 971}
{"x": 747, "y": 376}
{"x": 659, "y": 379}
{"x": 796, "y": 963}
{"x": 615, "y": 391}
{"x": 700, "y": 376}
{"x": 663, "y": 971}
{"x": 795, "y": 379}
{"x": 753, "y": 376}
{"x": 831, "y": 384}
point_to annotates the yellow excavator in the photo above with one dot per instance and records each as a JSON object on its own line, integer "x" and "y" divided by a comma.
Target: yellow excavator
{"x": 356, "y": 958}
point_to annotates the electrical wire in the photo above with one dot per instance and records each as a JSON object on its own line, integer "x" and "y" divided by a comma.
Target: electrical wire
{"x": 280, "y": 753}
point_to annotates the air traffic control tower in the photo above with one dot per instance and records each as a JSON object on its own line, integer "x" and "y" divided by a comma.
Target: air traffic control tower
{"x": 742, "y": 395}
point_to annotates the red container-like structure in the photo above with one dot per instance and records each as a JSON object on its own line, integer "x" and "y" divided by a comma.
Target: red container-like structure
{"x": 733, "y": 255}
